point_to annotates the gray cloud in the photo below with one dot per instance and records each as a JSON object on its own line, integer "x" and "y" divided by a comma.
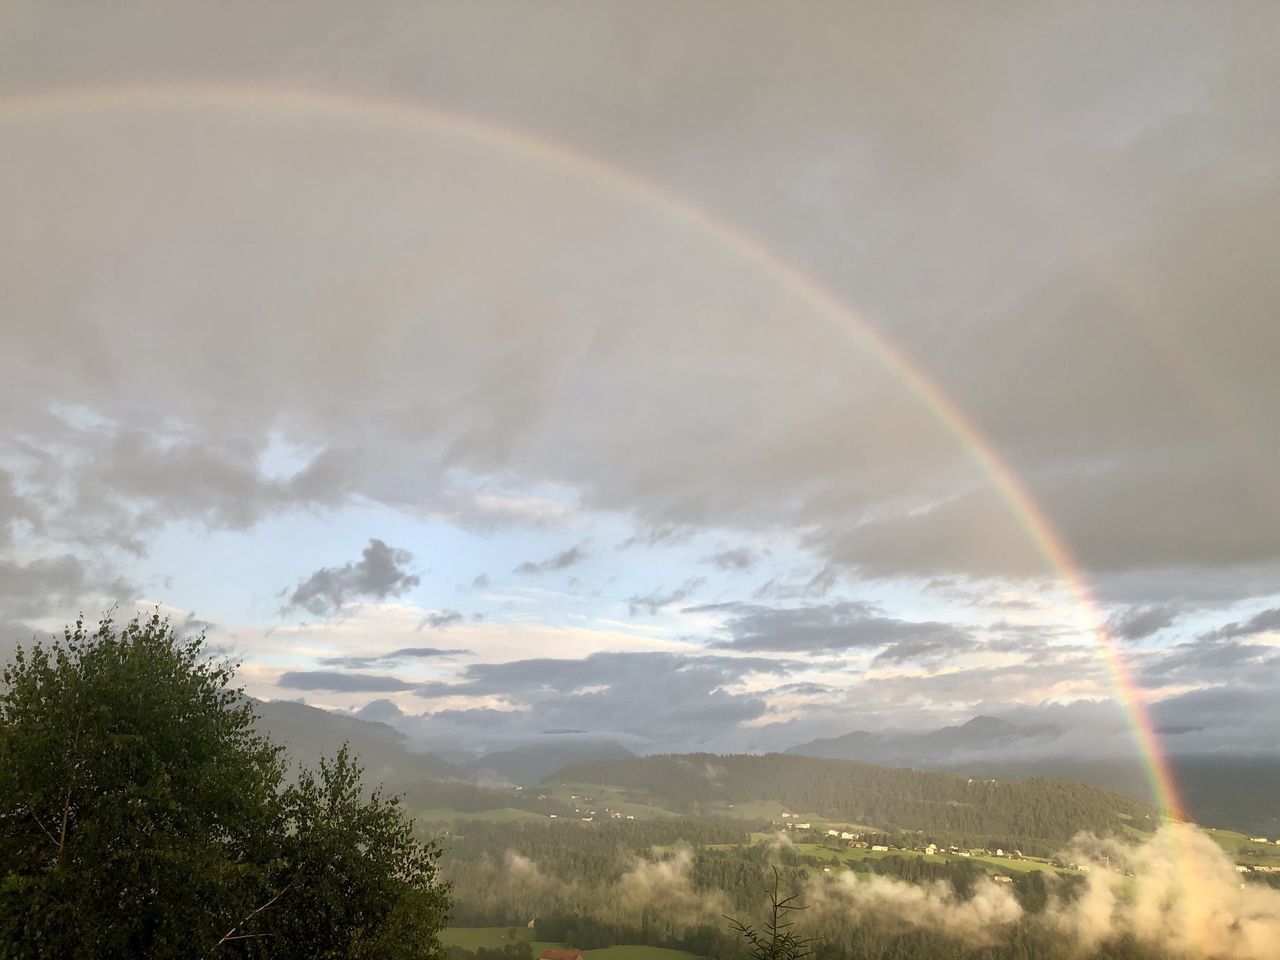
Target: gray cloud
{"x": 441, "y": 619}
{"x": 378, "y": 574}
{"x": 1138, "y": 623}
{"x": 380, "y": 711}
{"x": 1211, "y": 662}
{"x": 656, "y": 600}
{"x": 560, "y": 561}
{"x": 684, "y": 702}
{"x": 395, "y": 656}
{"x": 894, "y": 496}
{"x": 1264, "y": 622}
{"x": 335, "y": 681}
{"x": 844, "y": 625}
{"x": 13, "y": 508}
{"x": 819, "y": 585}
{"x": 737, "y": 558}
{"x": 55, "y": 585}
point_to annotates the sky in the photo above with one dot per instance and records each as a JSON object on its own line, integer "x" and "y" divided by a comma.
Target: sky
{"x": 665, "y": 372}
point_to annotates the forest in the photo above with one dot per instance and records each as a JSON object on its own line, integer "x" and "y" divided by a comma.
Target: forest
{"x": 1035, "y": 814}
{"x": 676, "y": 883}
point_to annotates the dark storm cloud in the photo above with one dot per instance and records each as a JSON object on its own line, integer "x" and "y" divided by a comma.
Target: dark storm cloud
{"x": 378, "y": 574}
{"x": 737, "y": 558}
{"x": 561, "y": 561}
{"x": 334, "y": 681}
{"x": 1138, "y": 623}
{"x": 656, "y": 600}
{"x": 845, "y": 625}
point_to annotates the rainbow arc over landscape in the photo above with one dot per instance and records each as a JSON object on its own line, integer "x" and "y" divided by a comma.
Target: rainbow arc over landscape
{"x": 331, "y": 106}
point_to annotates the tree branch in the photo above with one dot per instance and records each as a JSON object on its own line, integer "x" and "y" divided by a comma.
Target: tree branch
{"x": 229, "y": 935}
{"x": 52, "y": 838}
{"x": 66, "y": 803}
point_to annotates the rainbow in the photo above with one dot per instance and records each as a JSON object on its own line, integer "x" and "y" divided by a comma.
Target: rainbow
{"x": 328, "y": 106}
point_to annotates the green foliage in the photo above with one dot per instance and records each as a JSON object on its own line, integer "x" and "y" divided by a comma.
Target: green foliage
{"x": 141, "y": 814}
{"x": 359, "y": 884}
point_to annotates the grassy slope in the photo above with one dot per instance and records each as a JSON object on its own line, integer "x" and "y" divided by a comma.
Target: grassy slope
{"x": 470, "y": 938}
{"x": 500, "y": 815}
{"x": 847, "y": 855}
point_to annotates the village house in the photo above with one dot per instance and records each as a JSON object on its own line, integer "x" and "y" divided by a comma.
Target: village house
{"x": 550, "y": 954}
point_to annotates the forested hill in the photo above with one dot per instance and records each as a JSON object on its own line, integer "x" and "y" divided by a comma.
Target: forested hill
{"x": 862, "y": 793}
{"x": 310, "y": 733}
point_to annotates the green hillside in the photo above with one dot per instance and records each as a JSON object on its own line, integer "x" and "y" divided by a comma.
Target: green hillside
{"x": 891, "y": 800}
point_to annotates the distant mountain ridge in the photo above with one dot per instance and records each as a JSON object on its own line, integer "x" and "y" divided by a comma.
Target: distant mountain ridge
{"x": 530, "y": 763}
{"x": 938, "y": 748}
{"x": 308, "y": 733}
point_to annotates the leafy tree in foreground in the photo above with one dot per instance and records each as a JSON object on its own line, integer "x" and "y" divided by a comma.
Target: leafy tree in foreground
{"x": 359, "y": 883}
{"x": 141, "y": 814}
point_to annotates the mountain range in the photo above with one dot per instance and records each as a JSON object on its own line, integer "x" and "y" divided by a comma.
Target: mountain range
{"x": 944, "y": 747}
{"x": 1217, "y": 791}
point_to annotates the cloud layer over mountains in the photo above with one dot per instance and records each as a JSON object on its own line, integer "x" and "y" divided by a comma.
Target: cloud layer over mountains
{"x": 517, "y": 342}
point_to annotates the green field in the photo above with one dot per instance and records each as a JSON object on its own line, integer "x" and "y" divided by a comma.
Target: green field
{"x": 629, "y": 952}
{"x": 1244, "y": 850}
{"x": 844, "y": 856}
{"x": 471, "y": 938}
{"x": 614, "y": 798}
{"x": 501, "y": 815}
